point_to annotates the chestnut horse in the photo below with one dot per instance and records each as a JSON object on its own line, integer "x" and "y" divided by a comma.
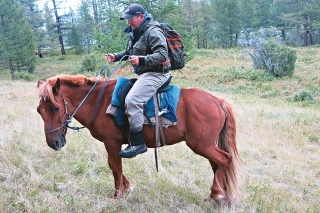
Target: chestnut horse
{"x": 205, "y": 122}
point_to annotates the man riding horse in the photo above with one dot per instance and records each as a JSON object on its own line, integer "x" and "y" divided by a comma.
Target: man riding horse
{"x": 149, "y": 57}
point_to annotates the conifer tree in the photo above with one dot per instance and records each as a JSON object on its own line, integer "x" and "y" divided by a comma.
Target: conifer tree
{"x": 226, "y": 14}
{"x": 59, "y": 25}
{"x": 50, "y": 40}
{"x": 75, "y": 39}
{"x": 33, "y": 15}
{"x": 17, "y": 47}
{"x": 86, "y": 25}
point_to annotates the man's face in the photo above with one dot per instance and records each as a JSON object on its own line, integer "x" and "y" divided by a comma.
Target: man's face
{"x": 135, "y": 21}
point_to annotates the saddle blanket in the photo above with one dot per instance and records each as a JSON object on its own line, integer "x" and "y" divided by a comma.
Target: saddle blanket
{"x": 167, "y": 102}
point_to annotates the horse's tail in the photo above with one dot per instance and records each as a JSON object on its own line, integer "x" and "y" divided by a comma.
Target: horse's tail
{"x": 227, "y": 142}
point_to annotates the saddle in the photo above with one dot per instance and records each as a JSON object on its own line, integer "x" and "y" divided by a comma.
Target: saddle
{"x": 167, "y": 101}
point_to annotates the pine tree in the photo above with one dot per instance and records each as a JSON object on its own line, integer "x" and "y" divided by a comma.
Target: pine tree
{"x": 33, "y": 15}
{"x": 50, "y": 41}
{"x": 109, "y": 35}
{"x": 17, "y": 47}
{"x": 86, "y": 25}
{"x": 226, "y": 14}
{"x": 246, "y": 13}
{"x": 75, "y": 39}
{"x": 262, "y": 14}
{"x": 59, "y": 25}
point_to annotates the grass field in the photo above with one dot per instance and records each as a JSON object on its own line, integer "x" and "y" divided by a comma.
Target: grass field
{"x": 278, "y": 124}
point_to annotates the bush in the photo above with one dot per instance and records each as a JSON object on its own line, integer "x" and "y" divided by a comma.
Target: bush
{"x": 275, "y": 58}
{"x": 281, "y": 59}
{"x": 303, "y": 95}
{"x": 25, "y": 76}
{"x": 267, "y": 53}
{"x": 88, "y": 63}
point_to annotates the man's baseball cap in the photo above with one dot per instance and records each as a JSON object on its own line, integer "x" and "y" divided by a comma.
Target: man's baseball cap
{"x": 132, "y": 10}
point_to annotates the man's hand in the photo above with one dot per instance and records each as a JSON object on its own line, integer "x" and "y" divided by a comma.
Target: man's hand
{"x": 134, "y": 60}
{"x": 110, "y": 57}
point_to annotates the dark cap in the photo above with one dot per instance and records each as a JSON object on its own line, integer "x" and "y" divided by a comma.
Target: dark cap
{"x": 132, "y": 10}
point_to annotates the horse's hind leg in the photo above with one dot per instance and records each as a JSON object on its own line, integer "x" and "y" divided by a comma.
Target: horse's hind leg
{"x": 218, "y": 191}
{"x": 220, "y": 165}
{"x": 219, "y": 161}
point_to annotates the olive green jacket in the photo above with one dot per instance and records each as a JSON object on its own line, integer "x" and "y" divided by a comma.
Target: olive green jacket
{"x": 150, "y": 45}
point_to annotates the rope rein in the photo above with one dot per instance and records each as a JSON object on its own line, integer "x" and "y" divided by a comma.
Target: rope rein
{"x": 102, "y": 71}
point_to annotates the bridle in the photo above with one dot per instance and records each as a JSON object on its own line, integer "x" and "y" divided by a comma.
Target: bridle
{"x": 65, "y": 125}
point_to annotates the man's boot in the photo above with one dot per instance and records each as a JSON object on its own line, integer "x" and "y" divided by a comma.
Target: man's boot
{"x": 136, "y": 146}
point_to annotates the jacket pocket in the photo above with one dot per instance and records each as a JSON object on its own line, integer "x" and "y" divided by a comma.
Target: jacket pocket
{"x": 139, "y": 48}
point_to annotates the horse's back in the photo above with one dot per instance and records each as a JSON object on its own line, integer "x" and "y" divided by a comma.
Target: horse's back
{"x": 196, "y": 102}
{"x": 198, "y": 112}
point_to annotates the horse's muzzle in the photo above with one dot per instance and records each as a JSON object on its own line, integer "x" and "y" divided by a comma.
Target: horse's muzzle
{"x": 58, "y": 143}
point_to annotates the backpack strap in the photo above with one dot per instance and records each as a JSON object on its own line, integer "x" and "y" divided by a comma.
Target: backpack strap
{"x": 147, "y": 33}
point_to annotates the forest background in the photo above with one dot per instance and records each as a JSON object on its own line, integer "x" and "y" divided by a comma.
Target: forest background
{"x": 93, "y": 26}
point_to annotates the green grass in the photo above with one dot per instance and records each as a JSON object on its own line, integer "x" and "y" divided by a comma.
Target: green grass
{"x": 278, "y": 141}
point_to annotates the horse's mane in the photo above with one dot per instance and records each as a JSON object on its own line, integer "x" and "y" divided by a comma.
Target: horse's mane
{"x": 45, "y": 88}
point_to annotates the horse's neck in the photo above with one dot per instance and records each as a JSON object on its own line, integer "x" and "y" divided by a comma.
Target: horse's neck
{"x": 90, "y": 102}
{"x": 78, "y": 100}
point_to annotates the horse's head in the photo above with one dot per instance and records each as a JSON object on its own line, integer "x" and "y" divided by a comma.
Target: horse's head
{"x": 54, "y": 112}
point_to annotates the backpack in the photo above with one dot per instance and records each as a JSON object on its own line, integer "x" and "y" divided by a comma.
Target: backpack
{"x": 175, "y": 47}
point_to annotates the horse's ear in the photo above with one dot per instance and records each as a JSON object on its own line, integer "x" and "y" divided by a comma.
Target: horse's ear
{"x": 56, "y": 87}
{"x": 39, "y": 83}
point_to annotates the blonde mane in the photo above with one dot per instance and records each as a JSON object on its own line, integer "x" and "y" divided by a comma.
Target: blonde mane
{"x": 45, "y": 89}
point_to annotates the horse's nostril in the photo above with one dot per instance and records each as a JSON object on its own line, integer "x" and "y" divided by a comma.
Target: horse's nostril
{"x": 56, "y": 144}
{"x": 63, "y": 140}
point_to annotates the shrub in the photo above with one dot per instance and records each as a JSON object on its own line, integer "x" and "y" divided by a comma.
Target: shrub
{"x": 281, "y": 59}
{"x": 275, "y": 58}
{"x": 267, "y": 53}
{"x": 303, "y": 95}
{"x": 25, "y": 76}
{"x": 88, "y": 63}
{"x": 258, "y": 76}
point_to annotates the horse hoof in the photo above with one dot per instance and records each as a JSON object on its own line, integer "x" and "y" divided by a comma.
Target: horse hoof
{"x": 220, "y": 200}
{"x": 129, "y": 190}
{"x": 223, "y": 201}
{"x": 207, "y": 199}
{"x": 113, "y": 200}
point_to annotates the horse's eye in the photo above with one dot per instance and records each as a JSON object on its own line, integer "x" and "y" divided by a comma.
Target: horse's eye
{"x": 55, "y": 109}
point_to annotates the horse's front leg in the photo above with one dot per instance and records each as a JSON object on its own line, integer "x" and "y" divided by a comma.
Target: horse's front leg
{"x": 121, "y": 183}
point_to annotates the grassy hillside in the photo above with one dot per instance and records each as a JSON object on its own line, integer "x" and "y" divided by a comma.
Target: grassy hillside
{"x": 278, "y": 122}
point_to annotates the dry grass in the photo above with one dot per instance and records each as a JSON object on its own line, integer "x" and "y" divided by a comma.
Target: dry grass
{"x": 278, "y": 143}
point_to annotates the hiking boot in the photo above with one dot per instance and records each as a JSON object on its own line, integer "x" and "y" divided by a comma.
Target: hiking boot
{"x": 132, "y": 151}
{"x": 135, "y": 147}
